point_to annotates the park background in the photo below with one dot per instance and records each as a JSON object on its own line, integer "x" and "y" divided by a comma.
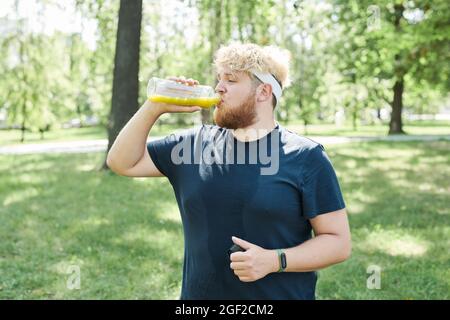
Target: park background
{"x": 369, "y": 81}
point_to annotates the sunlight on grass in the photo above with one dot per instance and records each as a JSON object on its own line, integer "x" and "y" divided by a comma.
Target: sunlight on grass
{"x": 443, "y": 211}
{"x": 356, "y": 208}
{"x": 20, "y": 195}
{"x": 148, "y": 235}
{"x": 95, "y": 221}
{"x": 395, "y": 243}
{"x": 425, "y": 187}
{"x": 351, "y": 164}
{"x": 126, "y": 233}
{"x": 413, "y": 128}
{"x": 171, "y": 214}
{"x": 86, "y": 167}
{"x": 35, "y": 166}
{"x": 12, "y": 137}
{"x": 360, "y": 201}
{"x": 62, "y": 267}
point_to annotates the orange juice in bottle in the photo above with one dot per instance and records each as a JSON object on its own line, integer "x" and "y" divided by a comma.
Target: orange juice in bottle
{"x": 172, "y": 92}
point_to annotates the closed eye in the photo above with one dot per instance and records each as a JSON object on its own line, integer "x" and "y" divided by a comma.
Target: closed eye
{"x": 227, "y": 78}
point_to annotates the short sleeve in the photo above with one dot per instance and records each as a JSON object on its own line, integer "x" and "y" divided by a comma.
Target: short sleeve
{"x": 320, "y": 188}
{"x": 167, "y": 153}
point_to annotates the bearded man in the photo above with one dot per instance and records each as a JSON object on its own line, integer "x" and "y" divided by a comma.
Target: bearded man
{"x": 246, "y": 181}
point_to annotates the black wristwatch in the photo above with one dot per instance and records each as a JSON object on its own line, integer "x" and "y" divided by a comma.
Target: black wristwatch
{"x": 234, "y": 248}
{"x": 282, "y": 260}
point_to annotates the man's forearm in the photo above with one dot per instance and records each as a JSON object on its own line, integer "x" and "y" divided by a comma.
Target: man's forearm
{"x": 129, "y": 146}
{"x": 317, "y": 253}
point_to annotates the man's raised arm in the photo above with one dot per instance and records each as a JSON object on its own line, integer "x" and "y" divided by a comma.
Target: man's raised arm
{"x": 128, "y": 155}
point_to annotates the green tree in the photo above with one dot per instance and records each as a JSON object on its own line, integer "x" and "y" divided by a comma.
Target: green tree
{"x": 397, "y": 41}
{"x": 304, "y": 31}
{"x": 30, "y": 77}
{"x": 100, "y": 62}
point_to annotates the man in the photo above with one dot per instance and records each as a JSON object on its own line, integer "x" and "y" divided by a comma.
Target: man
{"x": 246, "y": 181}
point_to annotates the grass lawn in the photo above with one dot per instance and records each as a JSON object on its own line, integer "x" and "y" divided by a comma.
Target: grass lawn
{"x": 126, "y": 237}
{"x": 12, "y": 137}
{"x": 440, "y": 127}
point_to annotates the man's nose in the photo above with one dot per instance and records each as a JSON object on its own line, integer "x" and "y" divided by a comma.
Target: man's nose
{"x": 219, "y": 88}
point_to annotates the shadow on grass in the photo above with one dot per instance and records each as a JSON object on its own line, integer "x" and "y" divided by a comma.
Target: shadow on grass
{"x": 126, "y": 237}
{"x": 122, "y": 232}
{"x": 397, "y": 199}
{"x": 404, "y": 179}
{"x": 401, "y": 278}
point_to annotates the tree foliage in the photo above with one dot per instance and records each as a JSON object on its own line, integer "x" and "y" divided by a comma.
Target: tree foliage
{"x": 356, "y": 57}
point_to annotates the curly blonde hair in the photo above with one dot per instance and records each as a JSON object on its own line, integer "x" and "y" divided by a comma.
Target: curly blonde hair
{"x": 245, "y": 57}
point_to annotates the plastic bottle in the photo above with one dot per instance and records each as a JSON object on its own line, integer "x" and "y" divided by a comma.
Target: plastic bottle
{"x": 172, "y": 92}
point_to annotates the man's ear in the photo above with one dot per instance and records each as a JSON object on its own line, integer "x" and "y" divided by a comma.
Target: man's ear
{"x": 264, "y": 92}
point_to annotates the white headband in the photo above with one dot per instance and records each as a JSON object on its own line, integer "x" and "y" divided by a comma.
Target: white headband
{"x": 270, "y": 79}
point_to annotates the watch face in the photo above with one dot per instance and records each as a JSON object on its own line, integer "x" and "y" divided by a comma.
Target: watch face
{"x": 283, "y": 261}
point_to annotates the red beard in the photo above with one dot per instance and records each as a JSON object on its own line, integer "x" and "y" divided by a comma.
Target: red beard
{"x": 236, "y": 117}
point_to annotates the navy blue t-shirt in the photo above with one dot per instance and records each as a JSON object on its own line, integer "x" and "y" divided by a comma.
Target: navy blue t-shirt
{"x": 262, "y": 191}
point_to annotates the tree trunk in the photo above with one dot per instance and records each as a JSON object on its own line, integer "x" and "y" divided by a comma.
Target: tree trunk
{"x": 22, "y": 129}
{"x": 125, "y": 90}
{"x": 396, "y": 126}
